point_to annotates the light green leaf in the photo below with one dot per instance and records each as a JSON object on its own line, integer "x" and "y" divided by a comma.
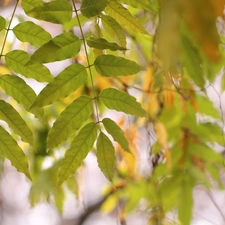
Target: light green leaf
{"x": 143, "y": 4}
{"x": 59, "y": 197}
{"x": 106, "y": 156}
{"x": 116, "y": 132}
{"x": 27, "y": 5}
{"x": 121, "y": 101}
{"x": 21, "y": 92}
{"x": 2, "y": 23}
{"x": 15, "y": 121}
{"x": 30, "y": 32}
{"x": 70, "y": 119}
{"x": 110, "y": 65}
{"x": 114, "y": 30}
{"x": 17, "y": 59}
{"x": 90, "y": 8}
{"x": 124, "y": 17}
{"x": 59, "y": 11}
{"x": 101, "y": 43}
{"x": 77, "y": 152}
{"x": 11, "y": 150}
{"x": 65, "y": 83}
{"x": 63, "y": 46}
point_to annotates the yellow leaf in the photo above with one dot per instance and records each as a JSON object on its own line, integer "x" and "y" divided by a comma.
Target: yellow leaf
{"x": 4, "y": 70}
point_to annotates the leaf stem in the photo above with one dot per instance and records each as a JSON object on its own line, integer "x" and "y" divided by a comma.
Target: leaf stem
{"x": 8, "y": 29}
{"x": 88, "y": 62}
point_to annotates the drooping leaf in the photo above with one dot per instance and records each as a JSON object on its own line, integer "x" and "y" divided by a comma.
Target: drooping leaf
{"x": 70, "y": 119}
{"x": 59, "y": 11}
{"x": 77, "y": 152}
{"x": 116, "y": 132}
{"x": 15, "y": 121}
{"x": 2, "y": 23}
{"x": 30, "y": 32}
{"x": 21, "y": 92}
{"x": 143, "y": 4}
{"x": 11, "y": 150}
{"x": 101, "y": 43}
{"x": 124, "y": 17}
{"x": 90, "y": 8}
{"x": 106, "y": 156}
{"x": 114, "y": 29}
{"x": 69, "y": 80}
{"x": 27, "y": 5}
{"x": 110, "y": 65}
{"x": 63, "y": 46}
{"x": 121, "y": 101}
{"x": 17, "y": 59}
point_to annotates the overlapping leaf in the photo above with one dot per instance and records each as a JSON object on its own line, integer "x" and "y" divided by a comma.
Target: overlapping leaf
{"x": 32, "y": 33}
{"x": 63, "y": 46}
{"x": 90, "y": 8}
{"x": 2, "y": 23}
{"x": 124, "y": 17}
{"x": 77, "y": 152}
{"x": 101, "y": 43}
{"x": 116, "y": 132}
{"x": 143, "y": 4}
{"x": 17, "y": 59}
{"x": 110, "y": 65}
{"x": 11, "y": 150}
{"x": 59, "y": 11}
{"x": 15, "y": 121}
{"x": 106, "y": 156}
{"x": 69, "y": 120}
{"x": 21, "y": 92}
{"x": 27, "y": 5}
{"x": 65, "y": 83}
{"x": 121, "y": 101}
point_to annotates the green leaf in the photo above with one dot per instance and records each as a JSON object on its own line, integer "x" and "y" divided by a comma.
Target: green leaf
{"x": 21, "y": 92}
{"x": 2, "y": 23}
{"x": 15, "y": 121}
{"x": 27, "y": 5}
{"x": 101, "y": 43}
{"x": 17, "y": 59}
{"x": 143, "y": 4}
{"x": 32, "y": 33}
{"x": 124, "y": 17}
{"x": 90, "y": 8}
{"x": 77, "y": 152}
{"x": 106, "y": 156}
{"x": 11, "y": 150}
{"x": 63, "y": 46}
{"x": 59, "y": 197}
{"x": 121, "y": 101}
{"x": 70, "y": 119}
{"x": 69, "y": 80}
{"x": 59, "y": 11}
{"x": 114, "y": 30}
{"x": 116, "y": 132}
{"x": 110, "y": 65}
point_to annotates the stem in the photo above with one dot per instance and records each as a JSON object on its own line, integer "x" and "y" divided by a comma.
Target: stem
{"x": 8, "y": 29}
{"x": 88, "y": 62}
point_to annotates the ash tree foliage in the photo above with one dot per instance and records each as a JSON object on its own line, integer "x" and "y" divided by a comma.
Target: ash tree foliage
{"x": 154, "y": 60}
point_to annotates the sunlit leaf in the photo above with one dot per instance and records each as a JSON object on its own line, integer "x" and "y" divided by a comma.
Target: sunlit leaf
{"x": 32, "y": 33}
{"x": 11, "y": 150}
{"x": 59, "y": 197}
{"x": 27, "y": 5}
{"x": 110, "y": 65}
{"x": 17, "y": 59}
{"x": 77, "y": 152}
{"x": 124, "y": 17}
{"x": 117, "y": 133}
{"x": 90, "y": 8}
{"x": 59, "y": 11}
{"x": 101, "y": 43}
{"x": 69, "y": 80}
{"x": 143, "y": 4}
{"x": 21, "y": 92}
{"x": 63, "y": 46}
{"x": 106, "y": 156}
{"x": 15, "y": 121}
{"x": 2, "y": 23}
{"x": 121, "y": 101}
{"x": 69, "y": 120}
{"x": 114, "y": 29}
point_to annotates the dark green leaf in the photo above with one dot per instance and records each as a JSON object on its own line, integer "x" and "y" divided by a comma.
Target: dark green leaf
{"x": 2, "y": 23}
